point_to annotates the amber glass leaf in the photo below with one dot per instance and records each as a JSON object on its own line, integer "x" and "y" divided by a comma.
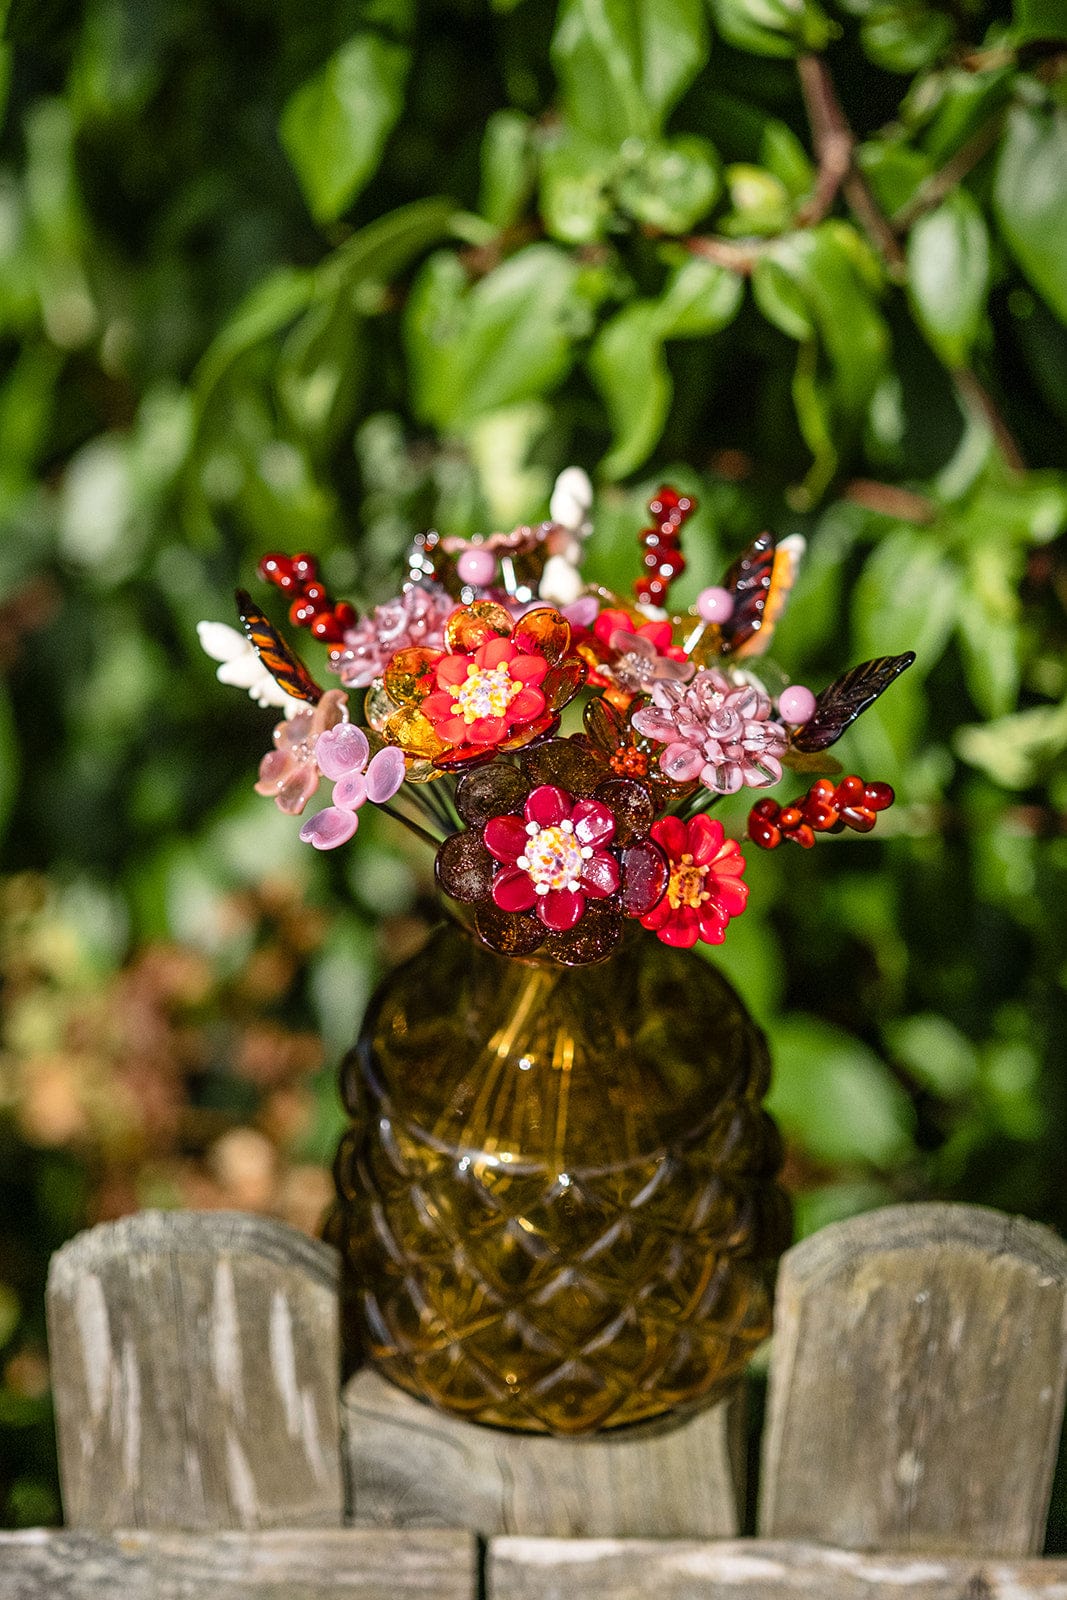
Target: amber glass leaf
{"x": 508, "y": 931}
{"x": 605, "y": 724}
{"x": 410, "y": 675}
{"x": 543, "y": 632}
{"x": 378, "y": 706}
{"x": 491, "y": 791}
{"x": 632, "y": 804}
{"x": 469, "y": 627}
{"x": 565, "y": 762}
{"x": 413, "y": 733}
{"x": 464, "y": 868}
{"x": 563, "y": 682}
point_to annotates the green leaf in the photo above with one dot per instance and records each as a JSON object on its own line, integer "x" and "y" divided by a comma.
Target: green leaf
{"x": 335, "y": 126}
{"x": 948, "y": 275}
{"x": 989, "y": 622}
{"x": 627, "y": 363}
{"x": 936, "y": 1054}
{"x": 622, "y": 64}
{"x": 507, "y": 168}
{"x": 508, "y": 338}
{"x": 576, "y": 175}
{"x": 673, "y": 185}
{"x": 836, "y": 1097}
{"x": 773, "y": 27}
{"x": 851, "y": 328}
{"x": 628, "y": 366}
{"x": 1039, "y": 19}
{"x": 781, "y": 300}
{"x": 907, "y": 598}
{"x": 1015, "y": 751}
{"x": 1030, "y": 198}
{"x": 904, "y": 36}
{"x": 759, "y": 202}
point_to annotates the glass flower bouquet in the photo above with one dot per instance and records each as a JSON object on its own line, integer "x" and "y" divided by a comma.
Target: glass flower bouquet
{"x": 557, "y": 1198}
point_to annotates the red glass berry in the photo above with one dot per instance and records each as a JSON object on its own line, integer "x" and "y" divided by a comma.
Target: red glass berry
{"x": 303, "y": 612}
{"x": 763, "y": 832}
{"x": 652, "y": 591}
{"x": 878, "y": 796}
{"x": 344, "y": 614}
{"x": 850, "y": 791}
{"x": 671, "y": 563}
{"x": 324, "y": 627}
{"x": 273, "y": 566}
{"x": 767, "y": 808}
{"x": 305, "y": 568}
{"x": 858, "y": 818}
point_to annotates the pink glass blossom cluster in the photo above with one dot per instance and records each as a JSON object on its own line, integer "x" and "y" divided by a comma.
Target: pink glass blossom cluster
{"x": 415, "y": 617}
{"x": 716, "y": 731}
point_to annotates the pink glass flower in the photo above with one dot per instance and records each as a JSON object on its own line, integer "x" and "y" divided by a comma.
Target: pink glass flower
{"x": 716, "y": 731}
{"x": 416, "y": 617}
{"x": 288, "y": 774}
{"x": 704, "y": 889}
{"x": 342, "y": 755}
{"x": 551, "y": 856}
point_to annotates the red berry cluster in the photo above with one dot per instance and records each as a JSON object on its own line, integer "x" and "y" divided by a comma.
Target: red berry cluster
{"x": 824, "y": 809}
{"x": 663, "y": 559}
{"x": 298, "y": 577}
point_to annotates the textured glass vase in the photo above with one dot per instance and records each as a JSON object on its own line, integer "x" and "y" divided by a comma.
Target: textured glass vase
{"x": 557, "y": 1197}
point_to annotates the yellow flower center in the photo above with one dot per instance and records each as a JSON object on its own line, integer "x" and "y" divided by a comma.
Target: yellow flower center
{"x": 487, "y": 692}
{"x": 686, "y": 887}
{"x": 553, "y": 857}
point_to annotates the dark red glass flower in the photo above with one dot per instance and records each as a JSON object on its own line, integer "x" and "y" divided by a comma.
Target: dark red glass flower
{"x": 555, "y": 855}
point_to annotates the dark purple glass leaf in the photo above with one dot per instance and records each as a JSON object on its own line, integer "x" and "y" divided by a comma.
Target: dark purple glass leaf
{"x": 839, "y": 705}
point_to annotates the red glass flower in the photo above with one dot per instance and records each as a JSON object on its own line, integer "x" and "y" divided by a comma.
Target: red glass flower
{"x": 555, "y": 855}
{"x": 497, "y": 685}
{"x": 626, "y": 655}
{"x": 704, "y": 889}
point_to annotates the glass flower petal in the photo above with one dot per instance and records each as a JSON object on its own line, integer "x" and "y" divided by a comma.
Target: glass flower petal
{"x": 385, "y": 774}
{"x": 490, "y": 791}
{"x": 341, "y": 749}
{"x": 329, "y": 828}
{"x": 464, "y": 868}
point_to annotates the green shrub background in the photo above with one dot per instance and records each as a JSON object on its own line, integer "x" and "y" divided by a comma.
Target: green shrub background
{"x": 281, "y": 276}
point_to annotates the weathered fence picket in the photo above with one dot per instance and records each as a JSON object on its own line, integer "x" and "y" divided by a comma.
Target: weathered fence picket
{"x": 917, "y": 1390}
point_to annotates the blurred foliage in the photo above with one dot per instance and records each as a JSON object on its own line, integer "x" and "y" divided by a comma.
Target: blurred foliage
{"x": 318, "y": 279}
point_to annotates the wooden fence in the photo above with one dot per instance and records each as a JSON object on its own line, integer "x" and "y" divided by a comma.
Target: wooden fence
{"x": 206, "y": 1449}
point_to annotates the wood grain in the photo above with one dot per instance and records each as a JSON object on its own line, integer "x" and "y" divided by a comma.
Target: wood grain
{"x": 410, "y": 1466}
{"x": 334, "y": 1565}
{"x": 195, "y": 1360}
{"x": 752, "y": 1569}
{"x": 917, "y": 1383}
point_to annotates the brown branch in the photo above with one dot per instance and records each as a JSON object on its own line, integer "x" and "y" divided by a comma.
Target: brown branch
{"x": 889, "y": 500}
{"x": 939, "y": 184}
{"x": 831, "y": 137}
{"x": 976, "y": 398}
{"x": 729, "y": 253}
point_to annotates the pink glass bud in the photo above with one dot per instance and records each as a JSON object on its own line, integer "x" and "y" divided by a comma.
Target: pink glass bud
{"x": 796, "y": 704}
{"x": 476, "y": 567}
{"x": 715, "y": 604}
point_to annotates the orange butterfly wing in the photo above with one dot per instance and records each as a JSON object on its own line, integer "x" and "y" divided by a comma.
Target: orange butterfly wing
{"x": 286, "y": 670}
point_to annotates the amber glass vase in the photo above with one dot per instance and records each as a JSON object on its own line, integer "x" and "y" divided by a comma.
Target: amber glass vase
{"x": 557, "y": 1197}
